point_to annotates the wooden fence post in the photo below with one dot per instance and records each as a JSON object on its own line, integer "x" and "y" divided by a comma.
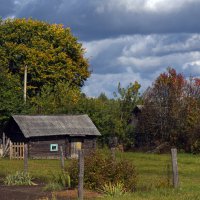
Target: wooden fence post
{"x": 81, "y": 174}
{"x": 11, "y": 150}
{"x": 25, "y": 157}
{"x": 174, "y": 167}
{"x": 113, "y": 153}
{"x": 4, "y": 143}
{"x": 62, "y": 158}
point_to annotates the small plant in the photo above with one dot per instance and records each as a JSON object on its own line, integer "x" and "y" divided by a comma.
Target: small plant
{"x": 19, "y": 178}
{"x": 59, "y": 181}
{"x": 113, "y": 190}
{"x": 62, "y": 178}
{"x": 53, "y": 187}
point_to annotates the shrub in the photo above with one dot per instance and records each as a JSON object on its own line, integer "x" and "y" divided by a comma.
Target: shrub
{"x": 101, "y": 169}
{"x": 19, "y": 178}
{"x": 195, "y": 148}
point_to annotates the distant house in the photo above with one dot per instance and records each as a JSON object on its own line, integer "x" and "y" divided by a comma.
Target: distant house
{"x": 45, "y": 134}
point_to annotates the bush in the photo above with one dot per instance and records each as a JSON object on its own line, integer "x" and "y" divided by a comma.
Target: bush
{"x": 19, "y": 178}
{"x": 196, "y": 147}
{"x": 101, "y": 169}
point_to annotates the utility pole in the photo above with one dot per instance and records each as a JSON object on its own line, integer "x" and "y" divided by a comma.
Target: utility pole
{"x": 25, "y": 83}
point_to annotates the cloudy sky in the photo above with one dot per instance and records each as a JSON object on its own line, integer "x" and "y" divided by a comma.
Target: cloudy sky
{"x": 126, "y": 40}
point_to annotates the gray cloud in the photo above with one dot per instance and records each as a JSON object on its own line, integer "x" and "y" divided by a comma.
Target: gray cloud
{"x": 142, "y": 53}
{"x": 140, "y": 58}
{"x": 7, "y": 8}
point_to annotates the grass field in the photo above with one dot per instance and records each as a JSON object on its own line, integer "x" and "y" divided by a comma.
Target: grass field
{"x": 154, "y": 174}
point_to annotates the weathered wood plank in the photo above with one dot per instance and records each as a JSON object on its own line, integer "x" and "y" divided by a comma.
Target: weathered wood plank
{"x": 174, "y": 167}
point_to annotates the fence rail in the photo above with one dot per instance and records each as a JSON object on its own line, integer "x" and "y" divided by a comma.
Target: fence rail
{"x": 16, "y": 150}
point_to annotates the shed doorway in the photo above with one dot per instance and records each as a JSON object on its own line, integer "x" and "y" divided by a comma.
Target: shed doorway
{"x": 76, "y": 145}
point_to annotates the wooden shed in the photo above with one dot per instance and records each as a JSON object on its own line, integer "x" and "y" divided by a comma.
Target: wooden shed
{"x": 45, "y": 134}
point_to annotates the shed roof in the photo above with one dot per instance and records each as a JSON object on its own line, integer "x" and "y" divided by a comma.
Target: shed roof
{"x": 49, "y": 125}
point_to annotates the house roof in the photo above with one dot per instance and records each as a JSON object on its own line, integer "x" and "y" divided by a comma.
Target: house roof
{"x": 49, "y": 125}
{"x": 140, "y": 107}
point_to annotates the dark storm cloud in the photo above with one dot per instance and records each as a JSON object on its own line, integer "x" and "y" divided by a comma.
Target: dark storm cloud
{"x": 6, "y": 8}
{"x": 94, "y": 19}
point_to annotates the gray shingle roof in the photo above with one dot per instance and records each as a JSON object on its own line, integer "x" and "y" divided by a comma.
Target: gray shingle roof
{"x": 49, "y": 125}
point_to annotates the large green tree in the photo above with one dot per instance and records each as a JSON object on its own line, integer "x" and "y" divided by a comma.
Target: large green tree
{"x": 56, "y": 66}
{"x": 50, "y": 51}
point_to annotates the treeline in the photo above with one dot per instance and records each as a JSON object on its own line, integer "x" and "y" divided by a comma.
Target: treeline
{"x": 170, "y": 110}
{"x": 111, "y": 116}
{"x": 57, "y": 70}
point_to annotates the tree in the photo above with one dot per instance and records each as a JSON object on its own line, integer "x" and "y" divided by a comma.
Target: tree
{"x": 61, "y": 98}
{"x": 127, "y": 98}
{"x": 104, "y": 112}
{"x": 50, "y": 51}
{"x": 10, "y": 95}
{"x": 171, "y": 109}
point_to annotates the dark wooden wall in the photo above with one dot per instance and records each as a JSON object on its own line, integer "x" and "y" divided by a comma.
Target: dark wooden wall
{"x": 89, "y": 144}
{"x": 40, "y": 147}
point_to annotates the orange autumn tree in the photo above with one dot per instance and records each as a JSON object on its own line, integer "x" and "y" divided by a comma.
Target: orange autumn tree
{"x": 171, "y": 108}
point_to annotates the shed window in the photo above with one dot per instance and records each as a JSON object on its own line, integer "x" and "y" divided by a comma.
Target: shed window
{"x": 53, "y": 147}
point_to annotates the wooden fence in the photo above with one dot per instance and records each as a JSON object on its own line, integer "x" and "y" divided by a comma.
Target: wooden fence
{"x": 16, "y": 150}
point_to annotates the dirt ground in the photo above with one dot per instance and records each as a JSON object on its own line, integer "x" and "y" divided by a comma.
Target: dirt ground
{"x": 22, "y": 193}
{"x": 37, "y": 193}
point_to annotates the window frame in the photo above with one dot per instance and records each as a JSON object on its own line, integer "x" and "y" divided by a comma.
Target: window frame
{"x": 52, "y": 146}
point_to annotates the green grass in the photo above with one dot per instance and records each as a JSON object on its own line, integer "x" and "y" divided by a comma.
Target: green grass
{"x": 152, "y": 175}
{"x": 38, "y": 169}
